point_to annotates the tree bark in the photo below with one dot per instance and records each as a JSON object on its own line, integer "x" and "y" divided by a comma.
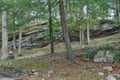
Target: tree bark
{"x": 14, "y": 39}
{"x": 4, "y": 34}
{"x": 69, "y": 54}
{"x": 20, "y": 39}
{"x": 51, "y": 28}
{"x": 83, "y": 36}
{"x": 118, "y": 9}
{"x": 80, "y": 38}
{"x": 88, "y": 34}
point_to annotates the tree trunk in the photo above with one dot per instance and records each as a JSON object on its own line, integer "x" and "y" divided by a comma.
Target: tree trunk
{"x": 51, "y": 28}
{"x": 69, "y": 54}
{"x": 4, "y": 34}
{"x": 20, "y": 39}
{"x": 117, "y": 10}
{"x": 80, "y": 38}
{"x": 88, "y": 34}
{"x": 83, "y": 36}
{"x": 14, "y": 39}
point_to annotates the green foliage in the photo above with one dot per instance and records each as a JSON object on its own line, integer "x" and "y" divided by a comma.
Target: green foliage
{"x": 105, "y": 48}
{"x": 89, "y": 52}
{"x": 117, "y": 57}
{"x": 76, "y": 18}
{"x": 62, "y": 59}
{"x": 45, "y": 33}
{"x": 32, "y": 51}
{"x": 88, "y": 67}
{"x": 23, "y": 53}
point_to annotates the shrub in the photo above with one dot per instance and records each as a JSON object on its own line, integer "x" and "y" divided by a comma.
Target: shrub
{"x": 89, "y": 52}
{"x": 106, "y": 47}
{"x": 117, "y": 57}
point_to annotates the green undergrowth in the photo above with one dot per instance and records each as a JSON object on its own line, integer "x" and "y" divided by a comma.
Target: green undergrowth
{"x": 62, "y": 69}
{"x": 90, "y": 52}
{"x": 117, "y": 56}
{"x": 106, "y": 41}
{"x": 103, "y": 43}
{"x": 29, "y": 52}
{"x": 26, "y": 64}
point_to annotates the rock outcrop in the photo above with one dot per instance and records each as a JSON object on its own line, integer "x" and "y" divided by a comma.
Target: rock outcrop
{"x": 104, "y": 56}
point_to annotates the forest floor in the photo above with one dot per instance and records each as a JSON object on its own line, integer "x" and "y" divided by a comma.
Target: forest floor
{"x": 56, "y": 67}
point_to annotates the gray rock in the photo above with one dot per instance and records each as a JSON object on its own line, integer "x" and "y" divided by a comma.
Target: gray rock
{"x": 109, "y": 56}
{"x": 5, "y": 78}
{"x": 50, "y": 73}
{"x": 99, "y": 57}
{"x": 101, "y": 74}
{"x": 104, "y": 56}
{"x": 118, "y": 75}
{"x": 10, "y": 52}
{"x": 33, "y": 71}
{"x": 110, "y": 77}
{"x": 36, "y": 73}
{"x": 42, "y": 79}
{"x": 108, "y": 68}
{"x": 86, "y": 59}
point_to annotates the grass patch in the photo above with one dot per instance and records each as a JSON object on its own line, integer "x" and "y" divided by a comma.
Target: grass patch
{"x": 28, "y": 52}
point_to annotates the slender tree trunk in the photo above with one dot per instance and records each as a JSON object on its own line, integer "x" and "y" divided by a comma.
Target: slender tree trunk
{"x": 4, "y": 34}
{"x": 80, "y": 38}
{"x": 88, "y": 34}
{"x": 83, "y": 36}
{"x": 14, "y": 39}
{"x": 51, "y": 28}
{"x": 69, "y": 54}
{"x": 20, "y": 39}
{"x": 118, "y": 9}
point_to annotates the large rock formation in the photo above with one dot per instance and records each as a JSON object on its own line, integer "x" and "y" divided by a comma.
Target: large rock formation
{"x": 104, "y": 56}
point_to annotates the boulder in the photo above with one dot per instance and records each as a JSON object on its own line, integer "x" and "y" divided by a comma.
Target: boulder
{"x": 11, "y": 55}
{"x": 117, "y": 76}
{"x": 101, "y": 74}
{"x": 99, "y": 57}
{"x": 50, "y": 73}
{"x": 104, "y": 56}
{"x": 108, "y": 68}
{"x": 110, "y": 77}
{"x": 109, "y": 56}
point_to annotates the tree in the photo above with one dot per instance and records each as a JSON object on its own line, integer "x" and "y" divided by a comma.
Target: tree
{"x": 14, "y": 39}
{"x": 50, "y": 27}
{"x": 14, "y": 14}
{"x": 88, "y": 33}
{"x": 4, "y": 34}
{"x": 69, "y": 54}
{"x": 20, "y": 39}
